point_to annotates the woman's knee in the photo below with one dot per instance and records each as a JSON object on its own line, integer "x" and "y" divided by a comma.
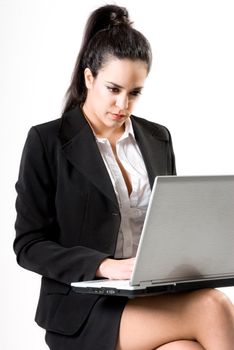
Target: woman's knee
{"x": 215, "y": 303}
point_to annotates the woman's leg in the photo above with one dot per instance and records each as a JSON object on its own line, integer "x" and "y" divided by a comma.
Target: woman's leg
{"x": 205, "y": 316}
{"x": 181, "y": 345}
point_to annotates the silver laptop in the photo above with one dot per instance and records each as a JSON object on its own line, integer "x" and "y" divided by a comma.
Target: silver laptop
{"x": 187, "y": 241}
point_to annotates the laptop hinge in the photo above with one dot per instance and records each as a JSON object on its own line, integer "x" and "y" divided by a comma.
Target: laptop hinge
{"x": 156, "y": 282}
{"x": 164, "y": 283}
{"x": 146, "y": 283}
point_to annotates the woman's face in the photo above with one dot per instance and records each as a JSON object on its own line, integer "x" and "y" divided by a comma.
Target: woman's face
{"x": 112, "y": 95}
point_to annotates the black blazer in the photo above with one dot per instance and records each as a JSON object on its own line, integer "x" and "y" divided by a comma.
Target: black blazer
{"x": 67, "y": 212}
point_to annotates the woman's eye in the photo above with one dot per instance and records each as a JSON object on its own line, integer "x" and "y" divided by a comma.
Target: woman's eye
{"x": 136, "y": 93}
{"x": 114, "y": 90}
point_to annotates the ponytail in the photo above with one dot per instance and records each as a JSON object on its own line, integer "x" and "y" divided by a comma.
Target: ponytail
{"x": 108, "y": 32}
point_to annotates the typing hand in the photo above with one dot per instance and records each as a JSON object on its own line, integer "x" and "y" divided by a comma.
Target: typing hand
{"x": 116, "y": 269}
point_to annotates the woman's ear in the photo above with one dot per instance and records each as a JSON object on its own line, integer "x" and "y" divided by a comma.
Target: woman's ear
{"x": 88, "y": 77}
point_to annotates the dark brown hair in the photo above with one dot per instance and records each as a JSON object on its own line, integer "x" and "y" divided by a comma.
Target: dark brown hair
{"x": 108, "y": 32}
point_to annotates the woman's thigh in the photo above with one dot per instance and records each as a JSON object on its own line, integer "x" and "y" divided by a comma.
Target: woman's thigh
{"x": 181, "y": 345}
{"x": 148, "y": 323}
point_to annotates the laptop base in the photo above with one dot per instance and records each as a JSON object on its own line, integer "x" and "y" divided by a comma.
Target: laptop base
{"x": 175, "y": 287}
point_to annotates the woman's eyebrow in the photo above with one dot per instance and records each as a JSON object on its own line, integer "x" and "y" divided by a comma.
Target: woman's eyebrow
{"x": 121, "y": 87}
{"x": 115, "y": 85}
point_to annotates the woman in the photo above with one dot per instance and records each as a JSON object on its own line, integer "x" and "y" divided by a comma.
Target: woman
{"x": 83, "y": 189}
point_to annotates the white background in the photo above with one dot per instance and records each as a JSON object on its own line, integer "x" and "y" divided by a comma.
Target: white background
{"x": 190, "y": 90}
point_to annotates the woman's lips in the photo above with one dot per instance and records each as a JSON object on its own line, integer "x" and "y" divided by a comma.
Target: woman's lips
{"x": 117, "y": 116}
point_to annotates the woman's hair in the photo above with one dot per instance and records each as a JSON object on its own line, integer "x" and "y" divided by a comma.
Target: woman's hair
{"x": 108, "y": 33}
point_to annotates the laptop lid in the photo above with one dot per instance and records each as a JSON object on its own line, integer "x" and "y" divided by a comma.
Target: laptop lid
{"x": 188, "y": 231}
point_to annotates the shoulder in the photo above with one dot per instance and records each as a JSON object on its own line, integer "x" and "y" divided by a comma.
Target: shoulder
{"x": 148, "y": 127}
{"x": 46, "y": 134}
{"x": 48, "y": 129}
{"x": 42, "y": 144}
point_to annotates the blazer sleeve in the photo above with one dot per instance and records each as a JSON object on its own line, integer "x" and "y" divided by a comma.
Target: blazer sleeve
{"x": 36, "y": 244}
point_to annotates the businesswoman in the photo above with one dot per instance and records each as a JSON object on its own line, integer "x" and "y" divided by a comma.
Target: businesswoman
{"x": 83, "y": 188}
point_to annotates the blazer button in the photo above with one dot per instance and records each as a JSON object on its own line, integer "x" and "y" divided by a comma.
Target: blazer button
{"x": 115, "y": 214}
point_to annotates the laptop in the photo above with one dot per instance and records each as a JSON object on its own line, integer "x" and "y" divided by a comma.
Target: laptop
{"x": 187, "y": 240}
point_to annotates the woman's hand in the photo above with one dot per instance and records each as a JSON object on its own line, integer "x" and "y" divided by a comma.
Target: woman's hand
{"x": 116, "y": 269}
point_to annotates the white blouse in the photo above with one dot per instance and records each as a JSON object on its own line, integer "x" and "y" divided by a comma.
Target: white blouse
{"x": 133, "y": 207}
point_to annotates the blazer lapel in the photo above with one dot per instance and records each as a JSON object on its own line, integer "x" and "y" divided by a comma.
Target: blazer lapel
{"x": 80, "y": 148}
{"x": 153, "y": 145}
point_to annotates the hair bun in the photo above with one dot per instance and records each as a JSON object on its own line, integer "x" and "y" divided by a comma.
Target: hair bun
{"x": 119, "y": 16}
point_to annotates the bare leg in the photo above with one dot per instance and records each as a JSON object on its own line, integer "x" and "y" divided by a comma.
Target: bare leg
{"x": 181, "y": 345}
{"x": 205, "y": 316}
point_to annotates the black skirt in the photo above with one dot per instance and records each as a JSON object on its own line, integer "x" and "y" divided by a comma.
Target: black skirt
{"x": 100, "y": 330}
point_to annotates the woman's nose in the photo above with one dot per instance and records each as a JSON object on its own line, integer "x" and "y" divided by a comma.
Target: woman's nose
{"x": 122, "y": 102}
